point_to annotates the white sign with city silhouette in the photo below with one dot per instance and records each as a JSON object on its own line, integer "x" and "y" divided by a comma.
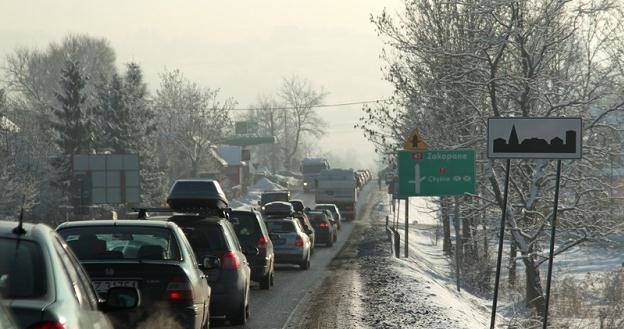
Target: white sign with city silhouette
{"x": 535, "y": 138}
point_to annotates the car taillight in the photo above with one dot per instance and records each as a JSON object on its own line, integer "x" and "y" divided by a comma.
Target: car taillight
{"x": 179, "y": 288}
{"x": 323, "y": 225}
{"x": 262, "y": 245}
{"x": 48, "y": 325}
{"x": 299, "y": 241}
{"x": 229, "y": 261}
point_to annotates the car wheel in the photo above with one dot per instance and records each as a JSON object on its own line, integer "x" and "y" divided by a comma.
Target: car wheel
{"x": 272, "y": 278}
{"x": 305, "y": 265}
{"x": 241, "y": 314}
{"x": 330, "y": 242}
{"x": 265, "y": 283}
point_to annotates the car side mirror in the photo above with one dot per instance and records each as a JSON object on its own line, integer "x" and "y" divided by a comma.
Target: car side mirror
{"x": 251, "y": 251}
{"x": 121, "y": 298}
{"x": 210, "y": 262}
{"x": 308, "y": 231}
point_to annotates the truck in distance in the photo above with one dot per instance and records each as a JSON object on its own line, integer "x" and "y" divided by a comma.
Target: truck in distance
{"x": 338, "y": 186}
{"x": 310, "y": 169}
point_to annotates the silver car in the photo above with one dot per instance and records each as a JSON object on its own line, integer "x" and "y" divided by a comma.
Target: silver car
{"x": 44, "y": 286}
{"x": 291, "y": 245}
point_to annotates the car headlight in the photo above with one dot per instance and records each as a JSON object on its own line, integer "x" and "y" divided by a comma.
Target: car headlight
{"x": 305, "y": 183}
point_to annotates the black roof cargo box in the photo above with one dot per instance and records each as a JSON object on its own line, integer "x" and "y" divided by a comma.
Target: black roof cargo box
{"x": 195, "y": 194}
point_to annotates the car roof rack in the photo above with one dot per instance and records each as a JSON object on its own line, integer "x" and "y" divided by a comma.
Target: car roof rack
{"x": 143, "y": 212}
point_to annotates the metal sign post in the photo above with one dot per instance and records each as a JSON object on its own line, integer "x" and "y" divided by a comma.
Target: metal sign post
{"x": 552, "y": 244}
{"x": 406, "y": 227}
{"x": 533, "y": 138}
{"x": 500, "y": 245}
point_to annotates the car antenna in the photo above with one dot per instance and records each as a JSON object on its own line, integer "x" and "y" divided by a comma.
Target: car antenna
{"x": 19, "y": 230}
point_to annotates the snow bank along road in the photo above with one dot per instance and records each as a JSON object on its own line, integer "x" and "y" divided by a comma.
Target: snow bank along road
{"x": 368, "y": 288}
{"x": 283, "y": 302}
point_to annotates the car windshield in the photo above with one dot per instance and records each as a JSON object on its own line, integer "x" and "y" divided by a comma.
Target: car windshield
{"x": 246, "y": 227}
{"x": 122, "y": 242}
{"x": 22, "y": 269}
{"x": 281, "y": 227}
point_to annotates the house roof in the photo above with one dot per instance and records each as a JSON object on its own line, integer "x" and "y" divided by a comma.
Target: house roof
{"x": 8, "y": 125}
{"x": 215, "y": 155}
{"x": 231, "y": 154}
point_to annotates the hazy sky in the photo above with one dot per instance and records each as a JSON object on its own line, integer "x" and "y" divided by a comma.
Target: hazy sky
{"x": 242, "y": 47}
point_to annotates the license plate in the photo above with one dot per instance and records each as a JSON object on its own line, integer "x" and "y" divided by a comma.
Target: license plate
{"x": 279, "y": 241}
{"x": 102, "y": 286}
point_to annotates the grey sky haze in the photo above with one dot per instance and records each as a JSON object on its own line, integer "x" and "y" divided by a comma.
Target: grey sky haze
{"x": 242, "y": 47}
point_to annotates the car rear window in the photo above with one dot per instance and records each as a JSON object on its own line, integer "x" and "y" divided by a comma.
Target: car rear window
{"x": 22, "y": 269}
{"x": 246, "y": 227}
{"x": 280, "y": 227}
{"x": 122, "y": 242}
{"x": 270, "y": 197}
{"x": 330, "y": 208}
{"x": 278, "y": 208}
{"x": 316, "y": 218}
{"x": 205, "y": 238}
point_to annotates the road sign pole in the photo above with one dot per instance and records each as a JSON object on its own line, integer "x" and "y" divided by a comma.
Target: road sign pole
{"x": 552, "y": 244}
{"x": 500, "y": 245}
{"x": 406, "y": 226}
{"x": 457, "y": 239}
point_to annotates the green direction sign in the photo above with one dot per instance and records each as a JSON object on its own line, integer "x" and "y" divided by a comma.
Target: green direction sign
{"x": 436, "y": 173}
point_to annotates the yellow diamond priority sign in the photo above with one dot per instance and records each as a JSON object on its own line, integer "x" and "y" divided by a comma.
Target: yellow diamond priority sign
{"x": 414, "y": 142}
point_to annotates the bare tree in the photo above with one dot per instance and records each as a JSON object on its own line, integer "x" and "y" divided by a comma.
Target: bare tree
{"x": 300, "y": 118}
{"x": 35, "y": 74}
{"x": 455, "y": 63}
{"x": 268, "y": 116}
{"x": 193, "y": 119}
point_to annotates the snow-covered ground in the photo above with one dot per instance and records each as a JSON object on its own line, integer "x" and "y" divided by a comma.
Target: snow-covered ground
{"x": 427, "y": 268}
{"x": 426, "y": 260}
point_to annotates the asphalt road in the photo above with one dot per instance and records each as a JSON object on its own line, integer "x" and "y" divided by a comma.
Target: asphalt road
{"x": 275, "y": 307}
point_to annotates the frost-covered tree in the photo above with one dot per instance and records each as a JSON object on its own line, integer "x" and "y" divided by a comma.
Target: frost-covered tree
{"x": 73, "y": 122}
{"x": 455, "y": 63}
{"x": 291, "y": 118}
{"x": 139, "y": 134}
{"x": 33, "y": 78}
{"x": 130, "y": 127}
{"x": 192, "y": 120}
{"x": 35, "y": 74}
{"x": 300, "y": 119}
{"x": 267, "y": 114}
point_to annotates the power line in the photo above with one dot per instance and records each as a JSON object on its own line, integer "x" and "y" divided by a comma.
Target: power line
{"x": 316, "y": 106}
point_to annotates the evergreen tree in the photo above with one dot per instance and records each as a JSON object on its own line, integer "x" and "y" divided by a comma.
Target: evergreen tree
{"x": 132, "y": 129}
{"x": 73, "y": 123}
{"x": 111, "y": 114}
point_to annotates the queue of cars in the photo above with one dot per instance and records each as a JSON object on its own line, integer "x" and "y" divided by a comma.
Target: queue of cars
{"x": 191, "y": 266}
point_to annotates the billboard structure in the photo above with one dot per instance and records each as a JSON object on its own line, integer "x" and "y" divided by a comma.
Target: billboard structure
{"x": 110, "y": 178}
